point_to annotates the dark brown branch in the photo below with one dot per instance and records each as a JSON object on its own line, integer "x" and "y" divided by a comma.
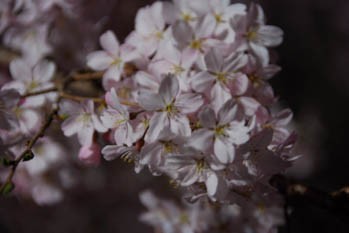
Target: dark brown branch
{"x": 80, "y": 98}
{"x": 52, "y": 89}
{"x": 28, "y": 149}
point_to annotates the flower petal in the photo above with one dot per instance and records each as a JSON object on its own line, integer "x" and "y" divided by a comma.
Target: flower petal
{"x": 224, "y": 151}
{"x": 169, "y": 89}
{"x": 110, "y": 43}
{"x": 99, "y": 60}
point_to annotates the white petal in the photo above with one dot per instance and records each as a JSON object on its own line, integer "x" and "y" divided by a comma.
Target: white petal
{"x": 110, "y": 43}
{"x": 169, "y": 89}
{"x": 20, "y": 70}
{"x": 180, "y": 126}
{"x": 157, "y": 123}
{"x": 261, "y": 53}
{"x": 71, "y": 126}
{"x": 189, "y": 103}
{"x": 201, "y": 139}
{"x": 111, "y": 152}
{"x": 239, "y": 84}
{"x": 44, "y": 71}
{"x": 207, "y": 117}
{"x": 202, "y": 81}
{"x": 98, "y": 124}
{"x": 99, "y": 60}
{"x": 249, "y": 104}
{"x": 270, "y": 36}
{"x": 214, "y": 60}
{"x": 227, "y": 112}
{"x": 224, "y": 151}
{"x": 212, "y": 184}
{"x": 150, "y": 101}
{"x": 112, "y": 100}
{"x": 85, "y": 134}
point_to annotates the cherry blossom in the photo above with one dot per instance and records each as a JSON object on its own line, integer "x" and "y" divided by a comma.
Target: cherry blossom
{"x": 170, "y": 108}
{"x": 81, "y": 120}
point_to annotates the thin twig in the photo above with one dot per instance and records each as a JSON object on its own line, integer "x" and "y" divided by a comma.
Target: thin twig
{"x": 80, "y": 98}
{"x": 29, "y": 146}
{"x": 52, "y": 89}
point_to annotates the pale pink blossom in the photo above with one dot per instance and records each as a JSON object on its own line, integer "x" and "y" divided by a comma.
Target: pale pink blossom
{"x": 251, "y": 29}
{"x": 81, "y": 120}
{"x": 170, "y": 108}
{"x": 116, "y": 117}
{"x": 111, "y": 59}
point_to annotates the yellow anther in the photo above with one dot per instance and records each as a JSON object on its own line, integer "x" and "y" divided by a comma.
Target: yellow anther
{"x": 177, "y": 70}
{"x": 118, "y": 122}
{"x": 186, "y": 17}
{"x": 221, "y": 77}
{"x": 183, "y": 218}
{"x": 252, "y": 35}
{"x": 220, "y": 130}
{"x": 159, "y": 35}
{"x": 200, "y": 164}
{"x": 33, "y": 85}
{"x": 117, "y": 61}
{"x": 218, "y": 18}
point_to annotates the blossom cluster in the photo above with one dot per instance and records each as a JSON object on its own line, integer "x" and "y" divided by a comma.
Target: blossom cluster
{"x": 186, "y": 96}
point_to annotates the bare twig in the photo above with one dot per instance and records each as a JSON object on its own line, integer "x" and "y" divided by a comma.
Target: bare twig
{"x": 80, "y": 98}
{"x": 28, "y": 149}
{"x": 52, "y": 89}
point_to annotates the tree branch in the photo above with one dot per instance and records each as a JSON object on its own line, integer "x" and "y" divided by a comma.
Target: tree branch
{"x": 28, "y": 150}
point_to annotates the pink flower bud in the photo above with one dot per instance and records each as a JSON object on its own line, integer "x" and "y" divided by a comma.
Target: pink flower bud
{"x": 90, "y": 154}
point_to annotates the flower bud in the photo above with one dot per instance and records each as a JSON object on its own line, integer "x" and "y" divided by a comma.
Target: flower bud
{"x": 90, "y": 154}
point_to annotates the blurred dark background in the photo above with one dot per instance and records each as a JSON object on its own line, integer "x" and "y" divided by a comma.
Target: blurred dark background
{"x": 314, "y": 83}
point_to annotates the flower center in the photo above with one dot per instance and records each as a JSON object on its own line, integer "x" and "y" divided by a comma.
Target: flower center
{"x": 196, "y": 44}
{"x": 117, "y": 61}
{"x": 221, "y": 77}
{"x": 170, "y": 147}
{"x": 177, "y": 70}
{"x": 252, "y": 35}
{"x": 255, "y": 80}
{"x": 170, "y": 109}
{"x": 200, "y": 164}
{"x": 218, "y": 18}
{"x": 187, "y": 17}
{"x": 33, "y": 85}
{"x": 159, "y": 35}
